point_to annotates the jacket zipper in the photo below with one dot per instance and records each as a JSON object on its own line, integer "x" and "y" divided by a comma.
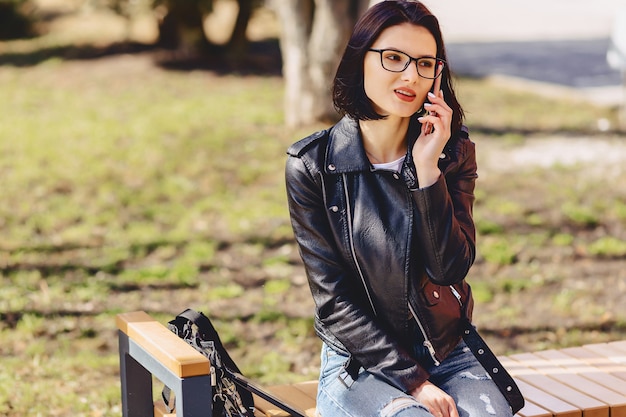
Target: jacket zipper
{"x": 352, "y": 251}
{"x": 427, "y": 342}
{"x": 456, "y": 294}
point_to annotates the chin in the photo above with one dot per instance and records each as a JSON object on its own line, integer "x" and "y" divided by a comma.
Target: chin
{"x": 400, "y": 112}
{"x": 405, "y": 114}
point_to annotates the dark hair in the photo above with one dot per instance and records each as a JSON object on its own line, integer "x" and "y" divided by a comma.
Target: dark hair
{"x": 348, "y": 91}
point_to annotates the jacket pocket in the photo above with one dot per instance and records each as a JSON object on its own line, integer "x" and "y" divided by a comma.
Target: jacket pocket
{"x": 441, "y": 313}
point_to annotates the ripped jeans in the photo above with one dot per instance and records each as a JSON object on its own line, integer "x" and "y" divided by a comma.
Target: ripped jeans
{"x": 460, "y": 375}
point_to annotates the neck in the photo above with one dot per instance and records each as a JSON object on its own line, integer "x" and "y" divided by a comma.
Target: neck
{"x": 384, "y": 140}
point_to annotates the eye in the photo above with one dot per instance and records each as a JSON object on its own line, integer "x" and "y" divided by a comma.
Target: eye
{"x": 426, "y": 63}
{"x": 393, "y": 56}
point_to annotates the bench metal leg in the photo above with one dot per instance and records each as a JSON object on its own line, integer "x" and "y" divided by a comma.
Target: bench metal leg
{"x": 193, "y": 398}
{"x": 136, "y": 383}
{"x": 193, "y": 394}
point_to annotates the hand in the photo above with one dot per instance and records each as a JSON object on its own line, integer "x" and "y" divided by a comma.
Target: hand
{"x": 435, "y": 133}
{"x": 438, "y": 402}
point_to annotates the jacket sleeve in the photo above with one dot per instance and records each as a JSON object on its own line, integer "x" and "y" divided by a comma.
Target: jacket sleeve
{"x": 445, "y": 227}
{"x": 340, "y": 310}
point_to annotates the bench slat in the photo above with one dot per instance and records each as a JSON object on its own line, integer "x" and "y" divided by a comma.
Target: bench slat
{"x": 537, "y": 397}
{"x": 613, "y": 353}
{"x": 620, "y": 344}
{"x": 294, "y": 396}
{"x": 308, "y": 387}
{"x": 592, "y": 358}
{"x": 556, "y": 406}
{"x": 161, "y": 411}
{"x": 616, "y": 401}
{"x": 164, "y": 345}
{"x": 268, "y": 409}
{"x": 591, "y": 407}
{"x": 533, "y": 410}
{"x": 582, "y": 368}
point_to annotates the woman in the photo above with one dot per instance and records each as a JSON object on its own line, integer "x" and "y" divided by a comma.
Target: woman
{"x": 381, "y": 207}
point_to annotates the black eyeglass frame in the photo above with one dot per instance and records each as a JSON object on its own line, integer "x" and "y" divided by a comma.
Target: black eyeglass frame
{"x": 411, "y": 59}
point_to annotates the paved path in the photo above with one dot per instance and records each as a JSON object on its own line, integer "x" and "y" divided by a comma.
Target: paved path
{"x": 557, "y": 42}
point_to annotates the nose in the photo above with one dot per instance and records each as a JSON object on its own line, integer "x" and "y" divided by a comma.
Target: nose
{"x": 410, "y": 73}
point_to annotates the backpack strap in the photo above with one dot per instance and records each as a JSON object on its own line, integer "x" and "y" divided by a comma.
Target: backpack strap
{"x": 492, "y": 365}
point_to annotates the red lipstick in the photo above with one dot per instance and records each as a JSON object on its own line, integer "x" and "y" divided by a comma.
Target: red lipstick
{"x": 405, "y": 94}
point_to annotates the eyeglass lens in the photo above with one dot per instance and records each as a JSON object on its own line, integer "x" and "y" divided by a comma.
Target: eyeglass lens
{"x": 398, "y": 61}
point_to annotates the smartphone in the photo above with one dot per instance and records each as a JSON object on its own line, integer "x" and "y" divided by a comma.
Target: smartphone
{"x": 435, "y": 91}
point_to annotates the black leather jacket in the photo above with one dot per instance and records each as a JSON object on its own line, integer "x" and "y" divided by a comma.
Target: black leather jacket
{"x": 371, "y": 241}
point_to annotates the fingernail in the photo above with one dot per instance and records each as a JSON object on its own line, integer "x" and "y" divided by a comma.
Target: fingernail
{"x": 420, "y": 119}
{"x": 427, "y": 104}
{"x": 430, "y": 94}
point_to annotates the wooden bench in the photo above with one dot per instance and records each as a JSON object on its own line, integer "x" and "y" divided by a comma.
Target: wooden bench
{"x": 587, "y": 381}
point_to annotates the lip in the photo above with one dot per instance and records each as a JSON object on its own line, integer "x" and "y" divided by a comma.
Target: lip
{"x": 405, "y": 94}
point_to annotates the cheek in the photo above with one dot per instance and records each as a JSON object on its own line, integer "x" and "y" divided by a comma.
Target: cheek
{"x": 369, "y": 80}
{"x": 423, "y": 90}
{"x": 369, "y": 87}
{"x": 422, "y": 95}
{"x": 376, "y": 80}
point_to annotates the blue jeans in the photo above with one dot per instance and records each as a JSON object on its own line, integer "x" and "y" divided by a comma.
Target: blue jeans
{"x": 460, "y": 375}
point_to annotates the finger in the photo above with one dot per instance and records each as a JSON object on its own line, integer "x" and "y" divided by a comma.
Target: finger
{"x": 452, "y": 411}
{"x": 428, "y": 123}
{"x": 427, "y": 128}
{"x": 437, "y": 105}
{"x": 437, "y": 85}
{"x": 436, "y": 411}
{"x": 431, "y": 120}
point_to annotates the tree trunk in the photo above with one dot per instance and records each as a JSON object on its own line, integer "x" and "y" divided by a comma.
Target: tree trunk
{"x": 238, "y": 42}
{"x": 296, "y": 18}
{"x": 332, "y": 25}
{"x": 182, "y": 28}
{"x": 313, "y": 37}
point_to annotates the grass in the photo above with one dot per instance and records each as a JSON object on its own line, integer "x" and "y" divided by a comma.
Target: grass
{"x": 489, "y": 106}
{"x": 130, "y": 187}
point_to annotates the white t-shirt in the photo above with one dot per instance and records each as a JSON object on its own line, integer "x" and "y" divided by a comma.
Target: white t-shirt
{"x": 390, "y": 166}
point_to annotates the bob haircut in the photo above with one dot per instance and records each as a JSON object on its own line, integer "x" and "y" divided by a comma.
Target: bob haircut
{"x": 349, "y": 96}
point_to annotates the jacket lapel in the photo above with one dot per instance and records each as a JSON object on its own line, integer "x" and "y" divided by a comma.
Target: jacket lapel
{"x": 345, "y": 151}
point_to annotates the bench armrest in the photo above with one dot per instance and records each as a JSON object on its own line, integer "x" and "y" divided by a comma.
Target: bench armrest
{"x": 169, "y": 349}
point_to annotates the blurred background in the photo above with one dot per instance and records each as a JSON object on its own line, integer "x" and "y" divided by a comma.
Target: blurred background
{"x": 142, "y": 147}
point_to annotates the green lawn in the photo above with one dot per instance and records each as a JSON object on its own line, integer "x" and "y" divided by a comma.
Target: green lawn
{"x": 126, "y": 187}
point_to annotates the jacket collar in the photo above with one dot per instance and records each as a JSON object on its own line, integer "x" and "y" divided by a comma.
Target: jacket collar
{"x": 345, "y": 152}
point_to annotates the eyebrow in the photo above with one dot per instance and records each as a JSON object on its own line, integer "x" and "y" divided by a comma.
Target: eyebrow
{"x": 405, "y": 53}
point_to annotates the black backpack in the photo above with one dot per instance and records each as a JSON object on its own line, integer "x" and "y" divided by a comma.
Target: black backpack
{"x": 232, "y": 392}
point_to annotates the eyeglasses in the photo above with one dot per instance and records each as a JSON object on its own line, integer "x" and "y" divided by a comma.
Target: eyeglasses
{"x": 397, "y": 61}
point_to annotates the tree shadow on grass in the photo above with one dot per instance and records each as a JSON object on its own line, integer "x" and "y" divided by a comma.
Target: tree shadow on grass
{"x": 260, "y": 58}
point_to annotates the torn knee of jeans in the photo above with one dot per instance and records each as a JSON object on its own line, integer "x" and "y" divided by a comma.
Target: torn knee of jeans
{"x": 476, "y": 377}
{"x": 485, "y": 398}
{"x": 398, "y": 404}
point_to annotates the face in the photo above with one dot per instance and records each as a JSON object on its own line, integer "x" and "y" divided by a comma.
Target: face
{"x": 398, "y": 94}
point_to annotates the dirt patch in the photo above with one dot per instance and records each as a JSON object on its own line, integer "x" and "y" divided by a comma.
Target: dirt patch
{"x": 595, "y": 155}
